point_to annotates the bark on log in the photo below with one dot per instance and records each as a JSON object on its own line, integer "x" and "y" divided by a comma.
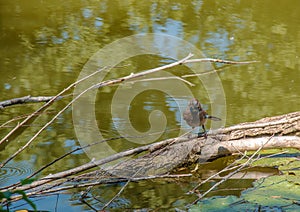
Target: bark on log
{"x": 274, "y": 132}
{"x": 221, "y": 142}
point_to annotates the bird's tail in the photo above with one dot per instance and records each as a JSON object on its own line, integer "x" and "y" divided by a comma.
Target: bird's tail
{"x": 213, "y": 118}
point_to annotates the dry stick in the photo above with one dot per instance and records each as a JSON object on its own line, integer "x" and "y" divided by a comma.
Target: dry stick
{"x": 102, "y": 84}
{"x": 214, "y": 61}
{"x": 163, "y": 78}
{"x": 25, "y": 99}
{"x": 232, "y": 173}
{"x": 239, "y": 152}
{"x": 180, "y": 62}
{"x": 257, "y": 125}
{"x": 47, "y": 124}
{"x": 42, "y": 129}
{"x": 121, "y": 190}
{"x": 223, "y": 180}
{"x": 66, "y": 154}
{"x": 117, "y": 195}
{"x": 13, "y": 186}
{"x": 93, "y": 164}
{"x": 44, "y": 106}
{"x": 83, "y": 185}
{"x": 98, "y": 85}
{"x": 16, "y": 119}
{"x": 229, "y": 175}
{"x": 70, "y": 152}
{"x": 131, "y": 76}
{"x": 227, "y": 168}
{"x": 89, "y": 205}
{"x": 219, "y": 61}
{"x": 143, "y": 73}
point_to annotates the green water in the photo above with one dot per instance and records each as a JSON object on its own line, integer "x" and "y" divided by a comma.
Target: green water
{"x": 45, "y": 44}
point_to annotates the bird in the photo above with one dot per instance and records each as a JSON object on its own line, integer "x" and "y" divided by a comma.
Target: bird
{"x": 195, "y": 116}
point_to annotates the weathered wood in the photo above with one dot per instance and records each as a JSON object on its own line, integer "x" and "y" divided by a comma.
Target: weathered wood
{"x": 26, "y": 99}
{"x": 281, "y": 125}
{"x": 226, "y": 141}
{"x": 274, "y": 132}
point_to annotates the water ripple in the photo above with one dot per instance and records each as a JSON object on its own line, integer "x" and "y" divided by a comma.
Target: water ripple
{"x": 14, "y": 172}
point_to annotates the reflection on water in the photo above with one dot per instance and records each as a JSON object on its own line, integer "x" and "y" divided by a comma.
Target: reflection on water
{"x": 44, "y": 45}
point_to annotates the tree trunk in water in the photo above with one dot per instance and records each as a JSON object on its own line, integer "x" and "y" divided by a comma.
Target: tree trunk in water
{"x": 274, "y": 132}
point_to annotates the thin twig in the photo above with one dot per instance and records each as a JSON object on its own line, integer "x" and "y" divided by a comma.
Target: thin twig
{"x": 212, "y": 60}
{"x": 98, "y": 85}
{"x": 52, "y": 189}
{"x": 89, "y": 205}
{"x": 13, "y": 186}
{"x": 93, "y": 164}
{"x": 5, "y": 138}
{"x": 140, "y": 74}
{"x": 227, "y": 168}
{"x": 26, "y": 99}
{"x": 70, "y": 152}
{"x": 19, "y": 118}
{"x": 117, "y": 195}
{"x": 249, "y": 161}
{"x": 48, "y": 123}
{"x": 163, "y": 78}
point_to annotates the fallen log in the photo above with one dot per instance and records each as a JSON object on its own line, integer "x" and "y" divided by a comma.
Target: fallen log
{"x": 162, "y": 157}
{"x": 284, "y": 129}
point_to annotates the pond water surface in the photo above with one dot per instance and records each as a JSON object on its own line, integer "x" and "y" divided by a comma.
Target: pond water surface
{"x": 45, "y": 45}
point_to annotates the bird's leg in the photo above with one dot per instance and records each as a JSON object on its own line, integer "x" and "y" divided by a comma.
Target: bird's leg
{"x": 202, "y": 134}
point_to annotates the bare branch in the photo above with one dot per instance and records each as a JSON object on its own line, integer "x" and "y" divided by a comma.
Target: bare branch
{"x": 240, "y": 167}
{"x": 163, "y": 78}
{"x": 99, "y": 85}
{"x": 6, "y": 138}
{"x": 26, "y": 99}
{"x": 212, "y": 60}
{"x": 54, "y": 188}
{"x": 140, "y": 74}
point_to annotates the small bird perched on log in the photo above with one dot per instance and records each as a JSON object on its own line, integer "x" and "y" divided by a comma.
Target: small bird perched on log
{"x": 195, "y": 116}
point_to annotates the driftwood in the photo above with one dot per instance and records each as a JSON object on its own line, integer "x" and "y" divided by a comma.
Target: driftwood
{"x": 222, "y": 142}
{"x": 161, "y": 157}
